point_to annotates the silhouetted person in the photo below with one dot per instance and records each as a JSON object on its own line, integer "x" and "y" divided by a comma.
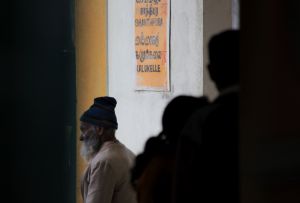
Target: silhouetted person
{"x": 153, "y": 173}
{"x": 107, "y": 177}
{"x": 207, "y": 165}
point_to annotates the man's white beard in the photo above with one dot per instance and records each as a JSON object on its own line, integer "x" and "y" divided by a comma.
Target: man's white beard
{"x": 90, "y": 147}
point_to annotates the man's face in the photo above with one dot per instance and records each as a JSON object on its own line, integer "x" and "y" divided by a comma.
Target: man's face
{"x": 86, "y": 131}
{"x": 91, "y": 140}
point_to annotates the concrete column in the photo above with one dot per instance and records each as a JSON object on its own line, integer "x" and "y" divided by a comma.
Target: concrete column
{"x": 270, "y": 130}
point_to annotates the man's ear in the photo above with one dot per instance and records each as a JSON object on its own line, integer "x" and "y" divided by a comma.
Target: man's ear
{"x": 99, "y": 130}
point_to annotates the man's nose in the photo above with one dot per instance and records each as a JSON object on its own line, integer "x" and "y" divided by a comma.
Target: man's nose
{"x": 81, "y": 137}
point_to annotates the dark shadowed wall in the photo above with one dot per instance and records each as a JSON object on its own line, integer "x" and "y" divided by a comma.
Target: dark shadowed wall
{"x": 270, "y": 130}
{"x": 38, "y": 102}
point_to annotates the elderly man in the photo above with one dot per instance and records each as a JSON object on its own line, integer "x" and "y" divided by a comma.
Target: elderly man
{"x": 106, "y": 179}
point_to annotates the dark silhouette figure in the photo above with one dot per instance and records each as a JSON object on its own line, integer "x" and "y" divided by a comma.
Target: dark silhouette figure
{"x": 153, "y": 173}
{"x": 207, "y": 165}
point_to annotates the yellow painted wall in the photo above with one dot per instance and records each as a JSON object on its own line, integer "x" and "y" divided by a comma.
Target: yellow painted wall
{"x": 90, "y": 39}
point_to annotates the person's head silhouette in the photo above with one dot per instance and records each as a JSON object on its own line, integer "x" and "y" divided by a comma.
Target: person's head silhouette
{"x": 223, "y": 64}
{"x": 176, "y": 114}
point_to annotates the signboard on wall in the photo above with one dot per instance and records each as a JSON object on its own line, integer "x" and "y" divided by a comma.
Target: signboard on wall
{"x": 152, "y": 44}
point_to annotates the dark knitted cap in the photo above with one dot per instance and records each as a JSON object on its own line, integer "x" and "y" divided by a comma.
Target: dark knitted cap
{"x": 102, "y": 113}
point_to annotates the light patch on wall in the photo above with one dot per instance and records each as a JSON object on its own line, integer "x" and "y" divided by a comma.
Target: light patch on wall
{"x": 235, "y": 14}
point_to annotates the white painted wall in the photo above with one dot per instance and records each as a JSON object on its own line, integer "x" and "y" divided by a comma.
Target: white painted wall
{"x": 139, "y": 112}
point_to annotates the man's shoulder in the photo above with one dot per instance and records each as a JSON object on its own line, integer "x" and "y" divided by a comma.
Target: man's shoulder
{"x": 112, "y": 154}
